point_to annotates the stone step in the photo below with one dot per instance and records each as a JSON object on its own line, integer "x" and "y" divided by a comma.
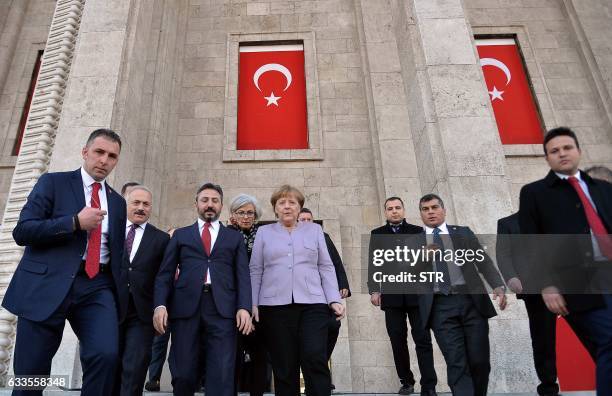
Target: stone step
{"x": 56, "y": 392}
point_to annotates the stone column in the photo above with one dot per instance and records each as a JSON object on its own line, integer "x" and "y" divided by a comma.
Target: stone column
{"x": 458, "y": 149}
{"x": 37, "y": 145}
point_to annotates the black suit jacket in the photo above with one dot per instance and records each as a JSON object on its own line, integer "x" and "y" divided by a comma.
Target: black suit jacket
{"x": 138, "y": 277}
{"x": 464, "y": 238}
{"x": 343, "y": 282}
{"x": 393, "y": 300}
{"x": 53, "y": 251}
{"x": 229, "y": 273}
{"x": 552, "y": 206}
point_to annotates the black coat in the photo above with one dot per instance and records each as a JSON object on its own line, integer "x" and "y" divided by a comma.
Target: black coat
{"x": 464, "y": 238}
{"x": 138, "y": 277}
{"x": 393, "y": 300}
{"x": 552, "y": 206}
{"x": 338, "y": 266}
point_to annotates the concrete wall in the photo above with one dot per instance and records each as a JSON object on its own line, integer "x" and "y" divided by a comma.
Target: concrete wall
{"x": 24, "y": 26}
{"x": 385, "y": 78}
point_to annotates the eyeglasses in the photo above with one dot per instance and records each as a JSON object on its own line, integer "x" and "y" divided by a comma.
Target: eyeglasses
{"x": 241, "y": 213}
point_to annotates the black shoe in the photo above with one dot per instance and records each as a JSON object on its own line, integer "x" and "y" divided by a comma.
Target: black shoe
{"x": 333, "y": 387}
{"x": 406, "y": 390}
{"x": 152, "y": 386}
{"x": 429, "y": 392}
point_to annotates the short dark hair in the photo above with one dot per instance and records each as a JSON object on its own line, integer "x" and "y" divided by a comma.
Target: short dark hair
{"x": 105, "y": 133}
{"x": 128, "y": 185}
{"x": 600, "y": 172}
{"x": 305, "y": 210}
{"x": 429, "y": 197}
{"x": 392, "y": 199}
{"x": 556, "y": 132}
{"x": 210, "y": 186}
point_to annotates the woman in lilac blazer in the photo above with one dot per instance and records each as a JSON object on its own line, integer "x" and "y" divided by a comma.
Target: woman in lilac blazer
{"x": 294, "y": 283}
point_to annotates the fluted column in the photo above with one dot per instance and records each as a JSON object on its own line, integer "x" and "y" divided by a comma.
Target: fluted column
{"x": 36, "y": 147}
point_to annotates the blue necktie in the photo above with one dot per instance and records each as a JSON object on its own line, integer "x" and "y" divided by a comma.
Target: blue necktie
{"x": 442, "y": 266}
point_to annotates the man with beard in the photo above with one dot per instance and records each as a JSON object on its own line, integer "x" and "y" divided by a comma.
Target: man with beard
{"x": 144, "y": 251}
{"x": 208, "y": 301}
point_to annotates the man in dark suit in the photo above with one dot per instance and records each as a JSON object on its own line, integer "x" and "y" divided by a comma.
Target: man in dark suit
{"x": 398, "y": 306}
{"x": 210, "y": 299}
{"x": 577, "y": 281}
{"x": 144, "y": 251}
{"x": 343, "y": 284}
{"x": 458, "y": 307}
{"x": 542, "y": 322}
{"x": 72, "y": 227}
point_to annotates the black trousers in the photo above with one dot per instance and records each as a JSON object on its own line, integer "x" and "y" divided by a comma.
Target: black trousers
{"x": 159, "y": 350}
{"x": 252, "y": 375}
{"x": 332, "y": 333}
{"x": 135, "y": 341}
{"x": 542, "y": 327}
{"x": 397, "y": 329}
{"x": 296, "y": 336}
{"x": 463, "y": 336}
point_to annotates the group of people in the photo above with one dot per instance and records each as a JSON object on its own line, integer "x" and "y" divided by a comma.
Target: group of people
{"x": 254, "y": 293}
{"x": 273, "y": 291}
{"x": 574, "y": 280}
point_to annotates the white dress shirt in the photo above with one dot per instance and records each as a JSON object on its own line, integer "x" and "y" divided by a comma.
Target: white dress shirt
{"x": 214, "y": 231}
{"x": 138, "y": 233}
{"x": 597, "y": 255}
{"x": 88, "y": 182}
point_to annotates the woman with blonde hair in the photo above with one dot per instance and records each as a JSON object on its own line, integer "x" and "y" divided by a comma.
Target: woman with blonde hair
{"x": 294, "y": 285}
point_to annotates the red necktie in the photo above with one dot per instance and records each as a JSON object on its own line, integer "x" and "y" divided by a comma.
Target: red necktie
{"x": 597, "y": 227}
{"x": 92, "y": 262}
{"x": 206, "y": 240}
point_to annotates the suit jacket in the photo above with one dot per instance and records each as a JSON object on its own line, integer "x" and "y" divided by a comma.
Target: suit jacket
{"x": 464, "y": 238}
{"x": 292, "y": 267}
{"x": 229, "y": 273}
{"x": 53, "y": 251}
{"x": 552, "y": 206}
{"x": 506, "y": 251}
{"x": 138, "y": 277}
{"x": 343, "y": 282}
{"x": 392, "y": 300}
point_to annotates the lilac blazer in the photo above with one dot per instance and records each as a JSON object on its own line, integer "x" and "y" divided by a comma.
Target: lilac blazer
{"x": 294, "y": 264}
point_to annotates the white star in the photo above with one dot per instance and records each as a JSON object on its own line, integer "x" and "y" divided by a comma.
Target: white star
{"x": 495, "y": 94}
{"x": 272, "y": 99}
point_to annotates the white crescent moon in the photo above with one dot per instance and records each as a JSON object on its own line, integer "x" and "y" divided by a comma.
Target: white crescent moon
{"x": 500, "y": 65}
{"x": 272, "y": 67}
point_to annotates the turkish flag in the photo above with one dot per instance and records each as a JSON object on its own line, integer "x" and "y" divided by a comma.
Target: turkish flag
{"x": 272, "y": 98}
{"x": 575, "y": 368}
{"x": 515, "y": 110}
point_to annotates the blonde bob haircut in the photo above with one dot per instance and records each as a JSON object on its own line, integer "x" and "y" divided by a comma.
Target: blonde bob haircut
{"x": 287, "y": 191}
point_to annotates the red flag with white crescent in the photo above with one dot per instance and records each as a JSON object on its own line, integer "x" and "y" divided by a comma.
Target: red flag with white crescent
{"x": 514, "y": 107}
{"x": 272, "y": 98}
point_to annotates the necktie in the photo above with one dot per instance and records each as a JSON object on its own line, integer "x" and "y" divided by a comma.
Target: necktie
{"x": 597, "y": 227}
{"x": 441, "y": 265}
{"x": 129, "y": 240}
{"x": 206, "y": 240}
{"x": 92, "y": 261}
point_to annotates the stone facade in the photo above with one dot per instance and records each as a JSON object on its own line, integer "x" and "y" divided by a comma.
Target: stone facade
{"x": 401, "y": 109}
